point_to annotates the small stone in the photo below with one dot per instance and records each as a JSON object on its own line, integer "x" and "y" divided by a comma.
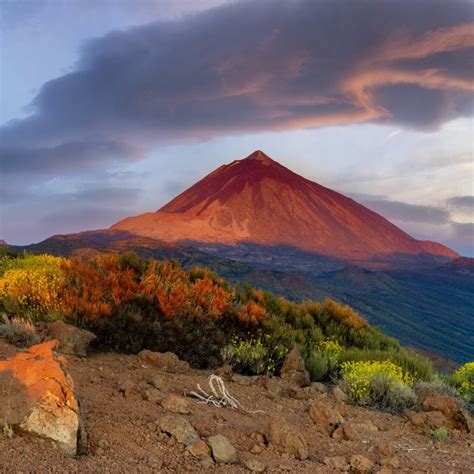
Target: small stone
{"x": 166, "y": 361}
{"x": 271, "y": 385}
{"x": 391, "y": 462}
{"x": 179, "y": 428}
{"x": 152, "y": 395}
{"x": 338, "y": 394}
{"x": 360, "y": 464}
{"x": 318, "y": 387}
{"x": 224, "y": 371}
{"x": 254, "y": 465}
{"x": 297, "y": 393}
{"x": 159, "y": 382}
{"x": 126, "y": 387}
{"x": 358, "y": 430}
{"x": 325, "y": 416}
{"x": 222, "y": 451}
{"x": 286, "y": 439}
{"x": 199, "y": 448}
{"x": 242, "y": 380}
{"x": 206, "y": 461}
{"x": 337, "y": 463}
{"x": 257, "y": 449}
{"x": 175, "y": 404}
{"x": 435, "y": 420}
{"x": 103, "y": 443}
{"x": 383, "y": 449}
{"x": 258, "y": 437}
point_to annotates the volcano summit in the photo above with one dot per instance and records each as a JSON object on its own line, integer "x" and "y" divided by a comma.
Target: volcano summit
{"x": 257, "y": 200}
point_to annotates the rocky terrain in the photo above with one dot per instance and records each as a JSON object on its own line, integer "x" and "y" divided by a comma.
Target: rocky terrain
{"x": 139, "y": 417}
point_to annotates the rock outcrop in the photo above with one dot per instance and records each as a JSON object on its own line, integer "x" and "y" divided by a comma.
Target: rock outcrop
{"x": 293, "y": 369}
{"x": 37, "y": 399}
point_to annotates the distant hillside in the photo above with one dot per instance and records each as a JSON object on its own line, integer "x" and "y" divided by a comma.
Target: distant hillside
{"x": 430, "y": 308}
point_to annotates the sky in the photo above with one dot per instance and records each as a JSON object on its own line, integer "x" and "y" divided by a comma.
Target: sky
{"x": 111, "y": 108}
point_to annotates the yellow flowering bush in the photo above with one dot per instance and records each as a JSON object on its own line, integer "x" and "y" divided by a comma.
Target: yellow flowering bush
{"x": 29, "y": 286}
{"x": 463, "y": 379}
{"x": 330, "y": 348}
{"x": 366, "y": 381}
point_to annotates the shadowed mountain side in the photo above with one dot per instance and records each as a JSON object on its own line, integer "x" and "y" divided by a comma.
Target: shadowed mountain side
{"x": 257, "y": 200}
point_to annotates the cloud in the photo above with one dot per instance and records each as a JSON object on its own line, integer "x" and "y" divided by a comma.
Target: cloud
{"x": 247, "y": 67}
{"x": 406, "y": 212}
{"x": 461, "y": 202}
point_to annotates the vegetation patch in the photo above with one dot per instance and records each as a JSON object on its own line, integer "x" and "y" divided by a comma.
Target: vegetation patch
{"x": 381, "y": 384}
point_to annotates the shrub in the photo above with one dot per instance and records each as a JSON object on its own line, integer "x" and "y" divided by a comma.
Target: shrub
{"x": 19, "y": 332}
{"x": 419, "y": 368}
{"x": 253, "y": 356}
{"x": 440, "y": 434}
{"x": 377, "y": 383}
{"x": 463, "y": 380}
{"x": 322, "y": 361}
{"x": 29, "y": 286}
{"x": 437, "y": 385}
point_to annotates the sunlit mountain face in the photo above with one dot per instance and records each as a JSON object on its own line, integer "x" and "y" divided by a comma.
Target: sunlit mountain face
{"x": 257, "y": 200}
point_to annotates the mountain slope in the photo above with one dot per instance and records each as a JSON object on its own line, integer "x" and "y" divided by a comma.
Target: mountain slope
{"x": 260, "y": 201}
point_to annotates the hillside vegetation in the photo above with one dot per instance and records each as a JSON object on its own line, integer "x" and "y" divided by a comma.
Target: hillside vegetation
{"x": 132, "y": 304}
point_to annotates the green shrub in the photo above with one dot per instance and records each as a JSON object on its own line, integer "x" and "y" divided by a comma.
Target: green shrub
{"x": 253, "y": 356}
{"x": 380, "y": 384}
{"x": 463, "y": 380}
{"x": 322, "y": 360}
{"x": 440, "y": 434}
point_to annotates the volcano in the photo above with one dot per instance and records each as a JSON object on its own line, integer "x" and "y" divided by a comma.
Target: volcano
{"x": 257, "y": 200}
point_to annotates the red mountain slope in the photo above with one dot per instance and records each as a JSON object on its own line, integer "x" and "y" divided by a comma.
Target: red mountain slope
{"x": 258, "y": 200}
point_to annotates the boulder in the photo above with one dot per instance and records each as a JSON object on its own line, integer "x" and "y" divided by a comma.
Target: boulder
{"x": 286, "y": 439}
{"x": 72, "y": 340}
{"x": 222, "y": 451}
{"x": 450, "y": 407}
{"x": 179, "y": 428}
{"x": 166, "y": 361}
{"x": 325, "y": 416}
{"x": 175, "y": 404}
{"x": 293, "y": 369}
{"x": 37, "y": 399}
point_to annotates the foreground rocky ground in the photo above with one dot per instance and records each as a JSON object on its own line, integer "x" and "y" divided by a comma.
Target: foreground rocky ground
{"x": 139, "y": 418}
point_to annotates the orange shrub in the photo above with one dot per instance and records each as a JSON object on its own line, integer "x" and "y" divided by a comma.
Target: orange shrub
{"x": 252, "y": 313}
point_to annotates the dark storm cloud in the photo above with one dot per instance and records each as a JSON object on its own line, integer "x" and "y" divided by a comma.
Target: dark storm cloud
{"x": 250, "y": 66}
